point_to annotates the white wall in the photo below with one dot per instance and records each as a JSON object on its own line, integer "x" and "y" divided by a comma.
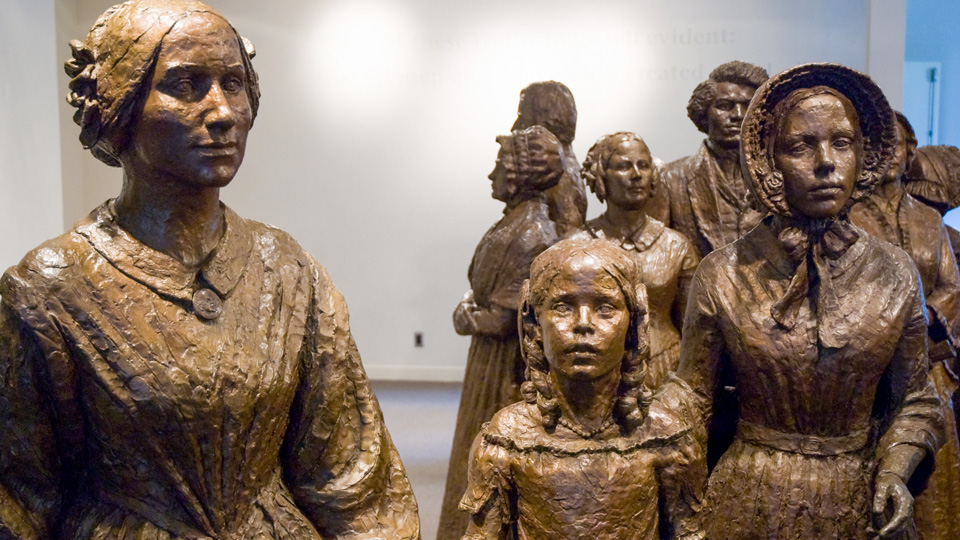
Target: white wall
{"x": 377, "y": 123}
{"x": 30, "y": 177}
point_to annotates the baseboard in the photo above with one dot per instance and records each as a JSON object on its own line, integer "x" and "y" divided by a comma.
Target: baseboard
{"x": 414, "y": 373}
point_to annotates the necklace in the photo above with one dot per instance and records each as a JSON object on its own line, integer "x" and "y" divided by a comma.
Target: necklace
{"x": 582, "y": 432}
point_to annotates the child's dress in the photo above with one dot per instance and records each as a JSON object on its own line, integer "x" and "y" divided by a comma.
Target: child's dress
{"x": 528, "y": 483}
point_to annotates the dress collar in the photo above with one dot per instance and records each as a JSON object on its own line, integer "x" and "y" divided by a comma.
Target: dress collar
{"x": 164, "y": 274}
{"x": 640, "y": 240}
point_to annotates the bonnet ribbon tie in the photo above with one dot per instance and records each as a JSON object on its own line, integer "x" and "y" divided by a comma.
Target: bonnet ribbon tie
{"x": 807, "y": 246}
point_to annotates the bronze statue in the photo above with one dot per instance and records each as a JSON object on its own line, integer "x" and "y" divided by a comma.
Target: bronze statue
{"x": 550, "y": 104}
{"x": 708, "y": 198}
{"x": 933, "y": 177}
{"x": 579, "y": 457}
{"x": 170, "y": 369}
{"x": 529, "y": 162}
{"x": 620, "y": 171}
{"x": 821, "y": 326}
{"x": 891, "y": 214}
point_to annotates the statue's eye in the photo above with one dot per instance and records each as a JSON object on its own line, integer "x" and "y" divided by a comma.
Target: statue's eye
{"x": 232, "y": 85}
{"x": 606, "y": 310}
{"x": 842, "y": 143}
{"x": 562, "y": 308}
{"x": 184, "y": 87}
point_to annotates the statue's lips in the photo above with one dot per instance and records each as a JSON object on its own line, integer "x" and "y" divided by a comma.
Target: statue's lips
{"x": 826, "y": 192}
{"x": 216, "y": 149}
{"x": 583, "y": 348}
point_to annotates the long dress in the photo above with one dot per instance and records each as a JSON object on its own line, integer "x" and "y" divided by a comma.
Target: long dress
{"x": 666, "y": 261}
{"x": 819, "y": 398}
{"x": 495, "y": 368}
{"x": 530, "y": 484}
{"x": 134, "y": 405}
{"x": 918, "y": 229}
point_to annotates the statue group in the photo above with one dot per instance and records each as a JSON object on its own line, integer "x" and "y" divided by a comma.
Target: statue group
{"x": 756, "y": 341}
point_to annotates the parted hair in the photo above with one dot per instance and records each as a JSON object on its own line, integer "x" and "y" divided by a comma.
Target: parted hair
{"x": 549, "y": 104}
{"x": 595, "y": 164}
{"x": 633, "y": 396}
{"x": 111, "y": 69}
{"x": 705, "y": 93}
{"x": 532, "y": 159}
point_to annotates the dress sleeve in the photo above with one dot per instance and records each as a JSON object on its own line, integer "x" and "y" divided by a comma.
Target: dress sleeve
{"x": 914, "y": 409}
{"x": 688, "y": 265}
{"x": 41, "y": 434}
{"x": 532, "y": 240}
{"x": 338, "y": 459}
{"x": 690, "y": 394}
{"x": 681, "y": 477}
{"x": 487, "y": 497}
{"x": 944, "y": 299}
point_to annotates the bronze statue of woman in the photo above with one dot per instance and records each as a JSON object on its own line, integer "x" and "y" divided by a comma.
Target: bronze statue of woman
{"x": 821, "y": 326}
{"x": 529, "y": 162}
{"x": 172, "y": 370}
{"x": 892, "y": 214}
{"x": 550, "y": 104}
{"x": 620, "y": 172}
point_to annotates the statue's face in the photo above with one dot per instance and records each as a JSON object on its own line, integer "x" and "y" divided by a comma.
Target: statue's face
{"x": 628, "y": 175}
{"x": 500, "y": 188}
{"x": 584, "y": 321}
{"x": 817, "y": 153}
{"x": 725, "y": 114}
{"x": 193, "y": 125}
{"x": 899, "y": 164}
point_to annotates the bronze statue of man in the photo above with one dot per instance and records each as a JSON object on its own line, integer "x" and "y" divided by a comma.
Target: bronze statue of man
{"x": 709, "y": 202}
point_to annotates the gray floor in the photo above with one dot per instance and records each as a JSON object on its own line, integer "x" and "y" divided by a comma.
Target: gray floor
{"x": 421, "y": 417}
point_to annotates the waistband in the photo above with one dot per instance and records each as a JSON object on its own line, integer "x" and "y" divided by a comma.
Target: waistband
{"x": 797, "y": 443}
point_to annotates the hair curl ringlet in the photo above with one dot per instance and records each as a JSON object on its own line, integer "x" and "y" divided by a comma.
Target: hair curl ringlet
{"x": 705, "y": 93}
{"x": 111, "y": 69}
{"x": 594, "y": 166}
{"x": 633, "y": 396}
{"x": 534, "y": 161}
{"x": 878, "y": 130}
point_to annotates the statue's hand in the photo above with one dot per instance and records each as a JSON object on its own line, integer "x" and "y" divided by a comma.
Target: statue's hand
{"x": 891, "y": 489}
{"x": 463, "y": 316}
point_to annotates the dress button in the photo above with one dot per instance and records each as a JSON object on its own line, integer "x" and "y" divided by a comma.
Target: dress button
{"x": 207, "y": 304}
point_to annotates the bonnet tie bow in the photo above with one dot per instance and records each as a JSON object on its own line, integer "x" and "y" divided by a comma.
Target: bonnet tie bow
{"x": 807, "y": 245}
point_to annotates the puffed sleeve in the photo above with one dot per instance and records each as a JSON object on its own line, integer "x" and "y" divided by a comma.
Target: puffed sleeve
{"x": 914, "y": 409}
{"x": 487, "y": 497}
{"x": 338, "y": 459}
{"x": 40, "y": 432}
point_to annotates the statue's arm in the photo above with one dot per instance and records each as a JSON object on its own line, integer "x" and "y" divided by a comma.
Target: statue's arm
{"x": 688, "y": 265}
{"x": 489, "y": 508}
{"x": 30, "y": 497}
{"x": 338, "y": 459}
{"x": 916, "y": 430}
{"x": 701, "y": 351}
{"x": 944, "y": 300}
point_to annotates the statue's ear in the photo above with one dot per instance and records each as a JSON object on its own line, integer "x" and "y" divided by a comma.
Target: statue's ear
{"x": 531, "y": 342}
